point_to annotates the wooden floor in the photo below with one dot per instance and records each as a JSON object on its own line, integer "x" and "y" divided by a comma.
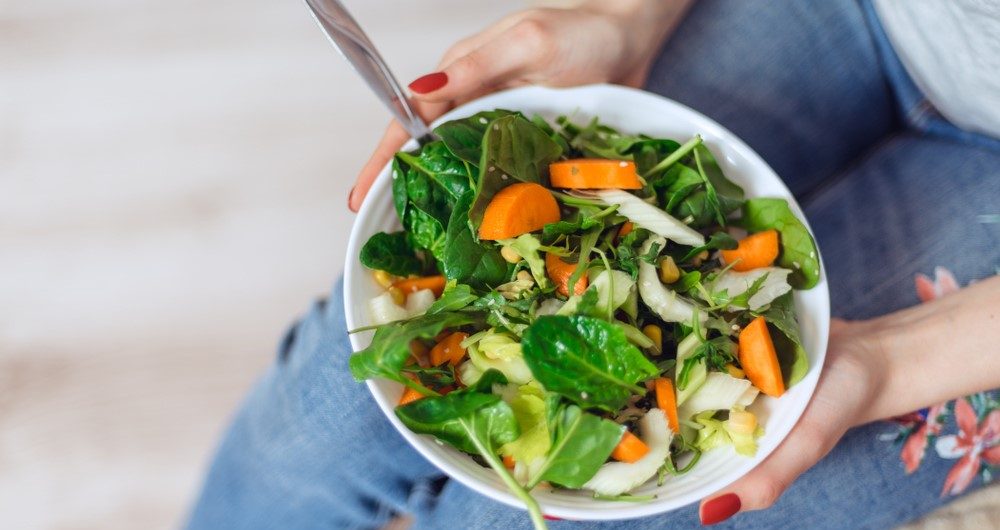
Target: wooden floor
{"x": 172, "y": 185}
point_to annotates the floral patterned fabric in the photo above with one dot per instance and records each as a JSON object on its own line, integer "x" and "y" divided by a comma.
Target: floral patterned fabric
{"x": 975, "y": 440}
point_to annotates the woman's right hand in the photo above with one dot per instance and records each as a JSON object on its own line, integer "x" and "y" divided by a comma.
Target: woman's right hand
{"x": 598, "y": 42}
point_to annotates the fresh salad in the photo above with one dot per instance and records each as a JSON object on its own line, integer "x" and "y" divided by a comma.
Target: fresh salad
{"x": 579, "y": 308}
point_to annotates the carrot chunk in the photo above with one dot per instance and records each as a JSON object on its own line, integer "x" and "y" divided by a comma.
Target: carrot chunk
{"x": 629, "y": 449}
{"x": 759, "y": 359}
{"x": 754, "y": 251}
{"x": 666, "y": 400}
{"x": 594, "y": 173}
{"x": 412, "y": 285}
{"x": 560, "y": 272}
{"x": 409, "y": 396}
{"x": 449, "y": 349}
{"x": 518, "y": 209}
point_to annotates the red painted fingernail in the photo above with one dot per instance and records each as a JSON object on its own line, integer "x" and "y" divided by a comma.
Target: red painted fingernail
{"x": 720, "y": 508}
{"x": 429, "y": 83}
{"x": 350, "y": 200}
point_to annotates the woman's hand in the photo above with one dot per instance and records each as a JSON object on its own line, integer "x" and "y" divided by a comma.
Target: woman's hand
{"x": 876, "y": 369}
{"x": 598, "y": 42}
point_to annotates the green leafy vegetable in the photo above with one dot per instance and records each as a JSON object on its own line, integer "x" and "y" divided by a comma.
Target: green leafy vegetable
{"x": 391, "y": 253}
{"x": 390, "y": 346}
{"x": 798, "y": 250}
{"x": 475, "y": 422}
{"x": 514, "y": 150}
{"x": 529, "y": 408}
{"x": 586, "y": 360}
{"x": 780, "y": 315}
{"x": 581, "y": 443}
{"x": 456, "y": 296}
{"x": 467, "y": 260}
{"x": 464, "y": 136}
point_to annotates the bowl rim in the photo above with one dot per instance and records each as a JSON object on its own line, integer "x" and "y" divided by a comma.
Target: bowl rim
{"x": 598, "y": 510}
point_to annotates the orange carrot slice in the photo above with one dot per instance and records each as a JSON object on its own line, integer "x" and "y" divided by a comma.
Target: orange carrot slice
{"x": 409, "y": 396}
{"x": 449, "y": 349}
{"x": 560, "y": 272}
{"x": 759, "y": 359}
{"x": 412, "y": 285}
{"x": 629, "y": 449}
{"x": 666, "y": 400}
{"x": 594, "y": 173}
{"x": 518, "y": 209}
{"x": 755, "y": 251}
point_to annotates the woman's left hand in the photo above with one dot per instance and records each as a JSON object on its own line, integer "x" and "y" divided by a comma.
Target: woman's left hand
{"x": 876, "y": 369}
{"x": 847, "y": 383}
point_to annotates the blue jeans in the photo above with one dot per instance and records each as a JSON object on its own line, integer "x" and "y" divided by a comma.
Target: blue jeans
{"x": 890, "y": 191}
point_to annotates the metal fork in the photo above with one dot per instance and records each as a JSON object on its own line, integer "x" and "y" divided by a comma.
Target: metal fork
{"x": 348, "y": 37}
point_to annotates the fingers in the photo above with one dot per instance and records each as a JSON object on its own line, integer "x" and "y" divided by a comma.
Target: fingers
{"x": 495, "y": 63}
{"x": 759, "y": 489}
{"x": 393, "y": 139}
{"x": 823, "y": 423}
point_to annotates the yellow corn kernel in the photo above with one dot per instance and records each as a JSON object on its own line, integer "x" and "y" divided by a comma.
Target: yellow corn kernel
{"x": 655, "y": 334}
{"x": 525, "y": 276}
{"x": 741, "y": 422}
{"x": 398, "y": 295}
{"x": 669, "y": 273}
{"x": 510, "y": 255}
{"x": 699, "y": 258}
{"x": 384, "y": 279}
{"x": 732, "y": 370}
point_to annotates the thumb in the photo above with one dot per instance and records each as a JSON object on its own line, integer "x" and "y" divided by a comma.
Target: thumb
{"x": 806, "y": 445}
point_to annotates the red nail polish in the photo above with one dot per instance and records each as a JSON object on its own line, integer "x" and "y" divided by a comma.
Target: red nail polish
{"x": 720, "y": 508}
{"x": 429, "y": 83}
{"x": 350, "y": 197}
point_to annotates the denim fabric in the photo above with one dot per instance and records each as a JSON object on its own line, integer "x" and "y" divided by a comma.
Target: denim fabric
{"x": 806, "y": 85}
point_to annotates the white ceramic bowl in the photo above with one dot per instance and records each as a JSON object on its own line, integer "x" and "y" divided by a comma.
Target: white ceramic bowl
{"x": 632, "y": 111}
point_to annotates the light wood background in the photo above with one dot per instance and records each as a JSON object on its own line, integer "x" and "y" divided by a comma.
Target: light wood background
{"x": 173, "y": 178}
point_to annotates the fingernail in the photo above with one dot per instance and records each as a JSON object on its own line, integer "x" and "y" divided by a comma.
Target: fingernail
{"x": 350, "y": 200}
{"x": 720, "y": 508}
{"x": 429, "y": 83}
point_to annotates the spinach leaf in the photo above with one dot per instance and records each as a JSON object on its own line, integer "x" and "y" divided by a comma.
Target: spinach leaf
{"x": 464, "y": 136}
{"x": 514, "y": 150}
{"x": 390, "y": 347}
{"x": 586, "y": 360}
{"x": 438, "y": 164}
{"x": 399, "y": 197}
{"x": 780, "y": 315}
{"x": 464, "y": 258}
{"x": 798, "y": 250}
{"x": 456, "y": 296}
{"x": 426, "y": 231}
{"x": 391, "y": 253}
{"x": 581, "y": 443}
{"x": 475, "y": 422}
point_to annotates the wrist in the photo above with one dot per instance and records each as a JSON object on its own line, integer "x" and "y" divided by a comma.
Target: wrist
{"x": 933, "y": 352}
